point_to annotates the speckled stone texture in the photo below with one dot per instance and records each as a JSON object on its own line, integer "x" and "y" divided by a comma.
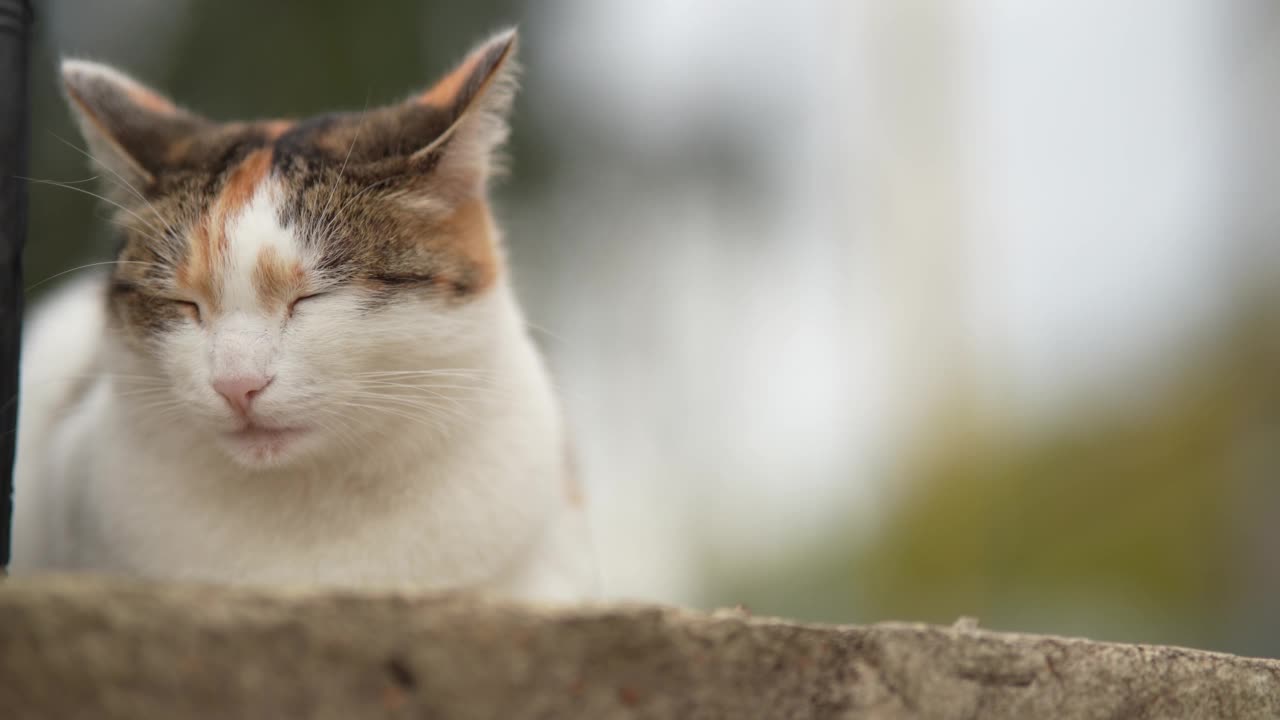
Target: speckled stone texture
{"x": 88, "y": 648}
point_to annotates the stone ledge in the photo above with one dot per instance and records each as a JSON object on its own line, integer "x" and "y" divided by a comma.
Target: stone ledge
{"x": 107, "y": 649}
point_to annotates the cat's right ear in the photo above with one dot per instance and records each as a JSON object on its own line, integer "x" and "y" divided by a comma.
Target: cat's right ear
{"x": 131, "y": 130}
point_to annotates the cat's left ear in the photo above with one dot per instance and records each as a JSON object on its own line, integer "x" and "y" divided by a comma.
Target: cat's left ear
{"x": 475, "y": 99}
{"x": 130, "y": 128}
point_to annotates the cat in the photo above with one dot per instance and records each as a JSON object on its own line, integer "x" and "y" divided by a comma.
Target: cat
{"x": 307, "y": 365}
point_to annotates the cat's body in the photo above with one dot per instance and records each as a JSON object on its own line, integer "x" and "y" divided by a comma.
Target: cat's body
{"x": 307, "y": 365}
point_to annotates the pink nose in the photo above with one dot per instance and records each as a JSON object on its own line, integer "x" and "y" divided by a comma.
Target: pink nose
{"x": 239, "y": 391}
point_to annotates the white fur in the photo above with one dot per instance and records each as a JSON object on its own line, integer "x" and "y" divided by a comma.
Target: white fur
{"x": 126, "y": 465}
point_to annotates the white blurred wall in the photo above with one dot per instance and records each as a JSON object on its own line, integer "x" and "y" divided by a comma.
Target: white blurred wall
{"x": 785, "y": 228}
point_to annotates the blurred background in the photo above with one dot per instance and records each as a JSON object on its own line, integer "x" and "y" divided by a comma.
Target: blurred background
{"x": 861, "y": 310}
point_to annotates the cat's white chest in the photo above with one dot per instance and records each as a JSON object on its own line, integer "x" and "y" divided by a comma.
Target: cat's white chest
{"x": 474, "y": 519}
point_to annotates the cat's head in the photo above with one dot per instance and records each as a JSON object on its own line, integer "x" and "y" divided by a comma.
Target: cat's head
{"x": 289, "y": 286}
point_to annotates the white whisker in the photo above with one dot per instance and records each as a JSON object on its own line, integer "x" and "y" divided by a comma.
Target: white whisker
{"x": 55, "y": 276}
{"x": 138, "y": 194}
{"x": 158, "y": 232}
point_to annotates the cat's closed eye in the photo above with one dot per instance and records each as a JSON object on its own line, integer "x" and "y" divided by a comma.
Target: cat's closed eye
{"x": 188, "y": 308}
{"x": 304, "y": 298}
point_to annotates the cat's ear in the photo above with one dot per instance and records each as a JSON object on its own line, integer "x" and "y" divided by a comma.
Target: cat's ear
{"x": 475, "y": 99}
{"x": 131, "y": 130}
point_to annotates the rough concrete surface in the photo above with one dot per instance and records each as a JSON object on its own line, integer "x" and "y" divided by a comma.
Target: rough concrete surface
{"x": 92, "y": 648}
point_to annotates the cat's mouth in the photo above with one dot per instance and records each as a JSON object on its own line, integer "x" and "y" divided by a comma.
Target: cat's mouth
{"x": 255, "y": 444}
{"x": 255, "y": 433}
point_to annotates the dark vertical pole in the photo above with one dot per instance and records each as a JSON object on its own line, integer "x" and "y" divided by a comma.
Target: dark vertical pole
{"x": 15, "y": 26}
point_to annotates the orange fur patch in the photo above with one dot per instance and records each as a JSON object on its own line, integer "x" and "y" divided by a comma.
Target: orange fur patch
{"x": 445, "y": 92}
{"x": 470, "y": 234}
{"x": 150, "y": 101}
{"x": 448, "y": 90}
{"x": 276, "y": 128}
{"x": 196, "y": 272}
{"x": 243, "y": 182}
{"x": 208, "y": 247}
{"x": 277, "y": 281}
